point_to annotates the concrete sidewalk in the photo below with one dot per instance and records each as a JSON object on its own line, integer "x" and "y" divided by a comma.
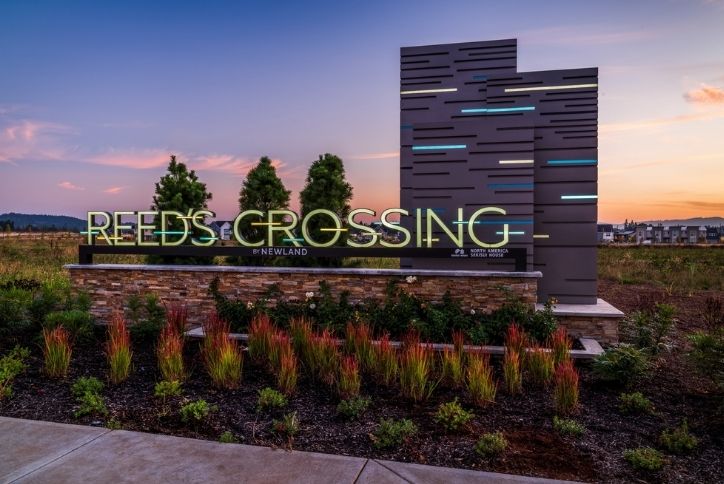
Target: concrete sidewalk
{"x": 34, "y": 451}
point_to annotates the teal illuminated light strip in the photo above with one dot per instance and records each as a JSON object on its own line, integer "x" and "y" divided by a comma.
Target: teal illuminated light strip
{"x": 496, "y": 110}
{"x": 572, "y": 162}
{"x": 297, "y": 239}
{"x": 495, "y": 222}
{"x": 579, "y": 197}
{"x": 439, "y": 147}
{"x": 208, "y": 238}
{"x": 510, "y": 233}
{"x": 549, "y": 88}
{"x": 430, "y": 91}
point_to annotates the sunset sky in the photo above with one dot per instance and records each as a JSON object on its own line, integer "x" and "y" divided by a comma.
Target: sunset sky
{"x": 94, "y": 96}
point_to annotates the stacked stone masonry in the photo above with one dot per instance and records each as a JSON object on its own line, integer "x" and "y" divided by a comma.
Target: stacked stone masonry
{"x": 111, "y": 285}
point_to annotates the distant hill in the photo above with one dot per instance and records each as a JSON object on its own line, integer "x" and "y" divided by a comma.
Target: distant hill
{"x": 20, "y": 221}
{"x": 689, "y": 221}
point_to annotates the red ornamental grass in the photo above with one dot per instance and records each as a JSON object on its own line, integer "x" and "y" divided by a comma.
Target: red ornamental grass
{"x": 387, "y": 365}
{"x": 118, "y": 349}
{"x": 324, "y": 359}
{"x": 349, "y": 379}
{"x": 560, "y": 346}
{"x": 222, "y": 355}
{"x": 458, "y": 337}
{"x": 281, "y": 344}
{"x": 287, "y": 374}
{"x": 511, "y": 372}
{"x": 540, "y": 365}
{"x": 516, "y": 339}
{"x": 411, "y": 338}
{"x": 170, "y": 353}
{"x": 452, "y": 368}
{"x": 479, "y": 379}
{"x": 56, "y": 351}
{"x": 261, "y": 332}
{"x": 565, "y": 391}
{"x": 415, "y": 368}
{"x": 177, "y": 315}
{"x": 301, "y": 332}
{"x": 361, "y": 344}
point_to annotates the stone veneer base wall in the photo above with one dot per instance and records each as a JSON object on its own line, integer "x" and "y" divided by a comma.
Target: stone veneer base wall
{"x": 110, "y": 285}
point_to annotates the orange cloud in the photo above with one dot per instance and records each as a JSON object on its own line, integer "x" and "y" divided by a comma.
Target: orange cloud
{"x": 377, "y": 156}
{"x": 114, "y": 190}
{"x": 138, "y": 159}
{"x": 705, "y": 94}
{"x": 69, "y": 186}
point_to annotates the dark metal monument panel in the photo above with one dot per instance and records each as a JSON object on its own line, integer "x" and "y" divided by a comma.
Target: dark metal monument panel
{"x": 530, "y": 147}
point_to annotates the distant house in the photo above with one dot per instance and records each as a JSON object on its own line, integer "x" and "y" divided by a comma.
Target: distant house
{"x": 604, "y": 233}
{"x": 675, "y": 234}
{"x": 657, "y": 234}
{"x": 622, "y": 235}
{"x": 642, "y": 234}
{"x": 713, "y": 235}
{"x": 222, "y": 228}
{"x": 691, "y": 235}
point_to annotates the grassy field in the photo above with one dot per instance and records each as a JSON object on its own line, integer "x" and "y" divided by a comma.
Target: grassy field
{"x": 673, "y": 269}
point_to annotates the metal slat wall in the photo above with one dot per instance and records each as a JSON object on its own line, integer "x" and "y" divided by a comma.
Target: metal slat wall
{"x": 475, "y": 132}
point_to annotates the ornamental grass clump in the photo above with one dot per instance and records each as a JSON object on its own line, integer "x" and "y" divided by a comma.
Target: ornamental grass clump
{"x": 261, "y": 332}
{"x": 348, "y": 383}
{"x": 301, "y": 333}
{"x": 565, "y": 390}
{"x": 387, "y": 363}
{"x": 169, "y": 352}
{"x": 288, "y": 374}
{"x": 458, "y": 338}
{"x": 281, "y": 345}
{"x": 560, "y": 346}
{"x": 539, "y": 364}
{"x": 452, "y": 368}
{"x": 415, "y": 370}
{"x": 56, "y": 352}
{"x": 512, "y": 375}
{"x": 479, "y": 380}
{"x": 516, "y": 340}
{"x": 177, "y": 316}
{"x": 222, "y": 356}
{"x": 359, "y": 342}
{"x": 324, "y": 357}
{"x": 118, "y": 349}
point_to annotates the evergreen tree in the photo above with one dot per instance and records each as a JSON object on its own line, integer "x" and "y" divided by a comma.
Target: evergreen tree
{"x": 326, "y": 187}
{"x": 262, "y": 190}
{"x": 180, "y": 190}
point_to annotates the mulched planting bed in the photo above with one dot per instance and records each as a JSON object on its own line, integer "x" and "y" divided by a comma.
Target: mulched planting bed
{"x": 535, "y": 449}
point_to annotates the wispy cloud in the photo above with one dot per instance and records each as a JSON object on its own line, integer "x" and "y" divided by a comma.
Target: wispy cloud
{"x": 607, "y": 128}
{"x": 377, "y": 156}
{"x": 69, "y": 186}
{"x": 705, "y": 94}
{"x": 584, "y": 35}
{"x": 114, "y": 190}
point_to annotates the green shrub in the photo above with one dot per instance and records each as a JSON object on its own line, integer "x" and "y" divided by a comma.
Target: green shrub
{"x": 114, "y": 424}
{"x": 567, "y": 426}
{"x": 11, "y": 365}
{"x": 392, "y": 433}
{"x": 678, "y": 440}
{"x": 91, "y": 404}
{"x": 621, "y": 364}
{"x": 147, "y": 316}
{"x": 270, "y": 399}
{"x": 78, "y": 323}
{"x": 634, "y": 403}
{"x": 491, "y": 444}
{"x": 707, "y": 354}
{"x": 165, "y": 389}
{"x": 87, "y": 384}
{"x": 649, "y": 328}
{"x": 228, "y": 438}
{"x": 644, "y": 458}
{"x": 196, "y": 412}
{"x": 353, "y": 407}
{"x": 452, "y": 416}
{"x": 16, "y": 319}
{"x": 287, "y": 426}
